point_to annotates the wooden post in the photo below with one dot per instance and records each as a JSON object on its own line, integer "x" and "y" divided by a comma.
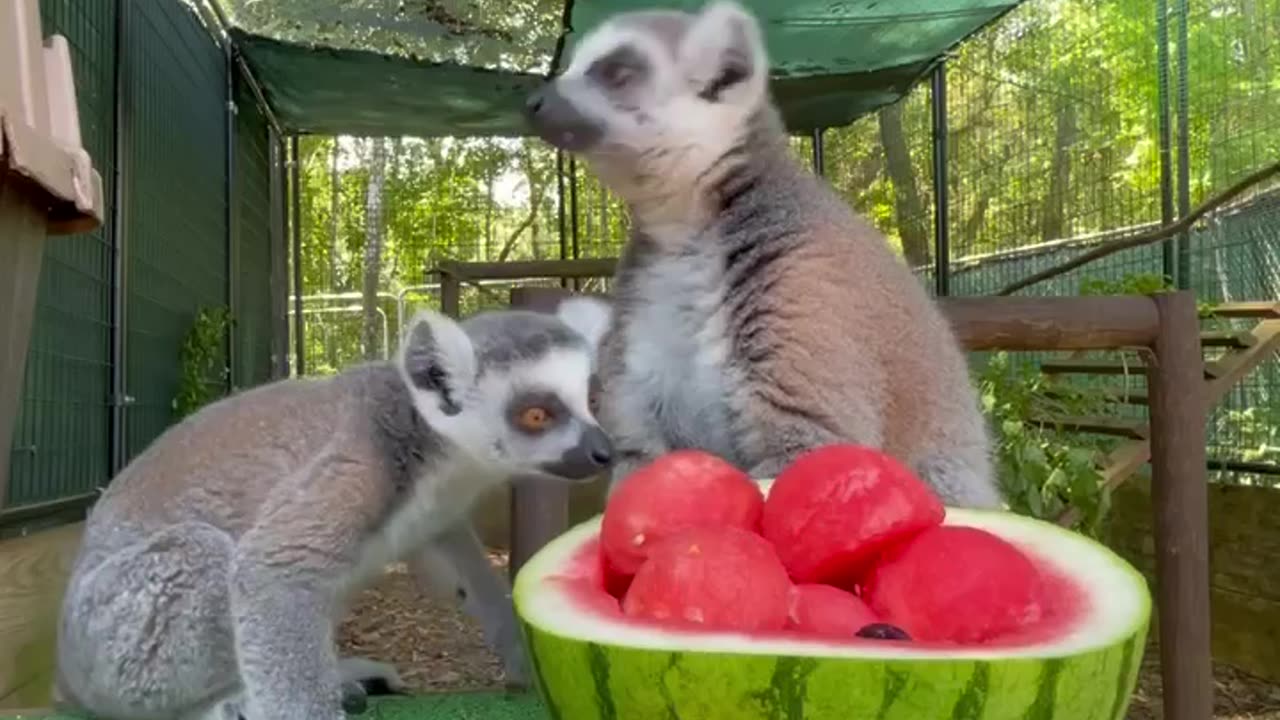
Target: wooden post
{"x": 450, "y": 294}
{"x": 539, "y": 508}
{"x": 1180, "y": 504}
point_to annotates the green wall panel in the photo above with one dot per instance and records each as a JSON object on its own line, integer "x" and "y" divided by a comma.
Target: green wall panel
{"x": 61, "y": 438}
{"x": 176, "y": 222}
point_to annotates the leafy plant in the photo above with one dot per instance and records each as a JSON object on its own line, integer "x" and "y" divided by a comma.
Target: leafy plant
{"x": 1138, "y": 284}
{"x": 202, "y": 370}
{"x": 1042, "y": 468}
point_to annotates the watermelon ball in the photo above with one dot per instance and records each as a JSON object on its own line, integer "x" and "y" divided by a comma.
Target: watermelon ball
{"x": 956, "y": 584}
{"x": 680, "y": 490}
{"x": 722, "y": 578}
{"x": 883, "y": 631}
{"x": 832, "y": 509}
{"x": 827, "y": 611}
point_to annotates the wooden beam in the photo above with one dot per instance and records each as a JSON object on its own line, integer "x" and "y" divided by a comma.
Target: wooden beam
{"x": 1056, "y": 323}
{"x": 529, "y": 269}
{"x": 1117, "y": 427}
{"x": 1089, "y": 366}
{"x": 981, "y": 323}
{"x": 1260, "y": 309}
{"x": 1233, "y": 368}
{"x": 1236, "y": 339}
{"x": 1181, "y": 509}
{"x": 1118, "y": 395}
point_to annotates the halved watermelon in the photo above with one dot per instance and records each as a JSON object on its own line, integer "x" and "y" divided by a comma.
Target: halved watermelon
{"x": 1079, "y": 663}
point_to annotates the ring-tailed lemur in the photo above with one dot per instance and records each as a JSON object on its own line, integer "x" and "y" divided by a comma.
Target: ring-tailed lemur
{"x": 214, "y": 567}
{"x": 755, "y": 315}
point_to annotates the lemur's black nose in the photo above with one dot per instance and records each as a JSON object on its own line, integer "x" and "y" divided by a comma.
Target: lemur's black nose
{"x": 533, "y": 103}
{"x": 599, "y": 448}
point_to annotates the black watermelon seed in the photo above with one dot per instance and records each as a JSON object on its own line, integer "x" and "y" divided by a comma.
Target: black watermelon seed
{"x": 883, "y": 631}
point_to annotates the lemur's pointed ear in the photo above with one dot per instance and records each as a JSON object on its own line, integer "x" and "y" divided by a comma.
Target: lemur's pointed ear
{"x": 724, "y": 54}
{"x": 436, "y": 356}
{"x": 588, "y": 316}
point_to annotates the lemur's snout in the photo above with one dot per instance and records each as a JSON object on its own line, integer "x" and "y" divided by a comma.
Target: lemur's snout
{"x": 555, "y": 119}
{"x": 592, "y": 455}
{"x": 598, "y": 447}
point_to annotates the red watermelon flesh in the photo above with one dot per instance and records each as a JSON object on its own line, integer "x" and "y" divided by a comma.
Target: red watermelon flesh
{"x": 834, "y": 508}
{"x": 957, "y": 584}
{"x": 722, "y": 578}
{"x": 827, "y": 611}
{"x": 680, "y": 490}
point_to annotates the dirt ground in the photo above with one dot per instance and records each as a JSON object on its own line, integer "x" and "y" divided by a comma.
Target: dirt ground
{"x": 436, "y": 648}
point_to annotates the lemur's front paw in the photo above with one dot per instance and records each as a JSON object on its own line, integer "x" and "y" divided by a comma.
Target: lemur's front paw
{"x": 374, "y": 677}
{"x": 502, "y": 631}
{"x": 354, "y": 698}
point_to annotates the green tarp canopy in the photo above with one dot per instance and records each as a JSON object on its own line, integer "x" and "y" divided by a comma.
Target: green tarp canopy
{"x": 464, "y": 67}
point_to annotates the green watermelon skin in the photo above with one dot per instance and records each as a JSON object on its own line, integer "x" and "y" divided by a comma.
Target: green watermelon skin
{"x": 586, "y": 669}
{"x": 591, "y": 681}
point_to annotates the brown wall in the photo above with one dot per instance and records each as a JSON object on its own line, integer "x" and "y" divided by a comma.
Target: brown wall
{"x": 1244, "y": 560}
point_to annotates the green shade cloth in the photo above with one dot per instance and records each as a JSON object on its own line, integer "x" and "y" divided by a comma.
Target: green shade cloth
{"x": 454, "y": 706}
{"x": 431, "y": 68}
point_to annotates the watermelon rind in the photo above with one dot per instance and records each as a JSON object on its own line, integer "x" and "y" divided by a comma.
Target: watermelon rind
{"x": 589, "y": 667}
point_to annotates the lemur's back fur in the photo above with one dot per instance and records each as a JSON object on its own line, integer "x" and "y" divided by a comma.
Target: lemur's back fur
{"x": 756, "y": 315}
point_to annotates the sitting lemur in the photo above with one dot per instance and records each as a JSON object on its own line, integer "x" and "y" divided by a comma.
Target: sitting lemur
{"x": 755, "y": 314}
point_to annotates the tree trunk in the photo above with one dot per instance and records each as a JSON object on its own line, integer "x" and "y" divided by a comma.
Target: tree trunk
{"x": 488, "y": 216}
{"x": 334, "y": 283}
{"x": 907, "y": 204}
{"x": 371, "y": 337}
{"x": 536, "y": 190}
{"x": 1053, "y": 218}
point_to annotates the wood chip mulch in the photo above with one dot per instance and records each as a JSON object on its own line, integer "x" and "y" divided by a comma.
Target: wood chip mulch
{"x": 436, "y": 648}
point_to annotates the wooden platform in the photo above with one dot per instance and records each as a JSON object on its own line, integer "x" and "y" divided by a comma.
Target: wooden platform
{"x": 33, "y": 573}
{"x": 451, "y": 706}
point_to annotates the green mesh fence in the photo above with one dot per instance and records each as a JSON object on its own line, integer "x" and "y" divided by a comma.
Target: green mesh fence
{"x": 176, "y": 214}
{"x": 251, "y": 349}
{"x": 60, "y": 443}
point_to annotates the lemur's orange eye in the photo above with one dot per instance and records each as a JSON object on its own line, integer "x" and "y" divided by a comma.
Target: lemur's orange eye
{"x": 534, "y": 419}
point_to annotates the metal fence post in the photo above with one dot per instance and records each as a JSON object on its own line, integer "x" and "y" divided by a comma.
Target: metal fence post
{"x": 295, "y": 227}
{"x": 119, "y": 398}
{"x": 941, "y": 201}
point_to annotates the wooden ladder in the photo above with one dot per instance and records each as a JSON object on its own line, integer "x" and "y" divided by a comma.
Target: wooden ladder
{"x": 1244, "y": 350}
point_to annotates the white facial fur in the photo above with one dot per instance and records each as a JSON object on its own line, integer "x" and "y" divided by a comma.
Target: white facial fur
{"x": 658, "y": 134}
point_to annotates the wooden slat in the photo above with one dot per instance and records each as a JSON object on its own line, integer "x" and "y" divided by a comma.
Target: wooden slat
{"x": 1117, "y": 427}
{"x": 1119, "y": 395}
{"x": 1235, "y": 366}
{"x": 1238, "y": 339}
{"x": 1125, "y": 460}
{"x": 1135, "y": 368}
{"x": 34, "y": 569}
{"x": 1093, "y": 367}
{"x": 1260, "y": 309}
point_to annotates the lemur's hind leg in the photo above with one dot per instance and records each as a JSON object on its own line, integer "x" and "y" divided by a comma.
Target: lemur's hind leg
{"x": 147, "y": 633}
